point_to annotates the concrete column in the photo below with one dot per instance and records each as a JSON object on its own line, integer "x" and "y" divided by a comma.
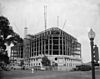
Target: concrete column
{"x": 65, "y": 45}
{"x": 41, "y": 45}
{"x": 48, "y": 46}
{"x": 59, "y": 44}
{"x": 31, "y": 48}
{"x": 17, "y": 51}
{"x": 20, "y": 51}
{"x": 52, "y": 45}
{"x": 62, "y": 45}
{"x": 44, "y": 45}
{"x": 36, "y": 46}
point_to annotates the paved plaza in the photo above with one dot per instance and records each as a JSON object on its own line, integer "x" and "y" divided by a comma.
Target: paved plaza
{"x": 27, "y": 74}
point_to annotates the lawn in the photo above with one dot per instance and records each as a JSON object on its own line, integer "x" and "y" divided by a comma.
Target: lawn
{"x": 26, "y": 74}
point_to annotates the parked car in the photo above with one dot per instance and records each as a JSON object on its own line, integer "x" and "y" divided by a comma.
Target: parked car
{"x": 83, "y": 67}
{"x": 42, "y": 68}
{"x": 0, "y": 69}
{"x": 15, "y": 67}
{"x": 5, "y": 68}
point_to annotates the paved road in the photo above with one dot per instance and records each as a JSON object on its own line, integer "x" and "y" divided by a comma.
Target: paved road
{"x": 17, "y": 74}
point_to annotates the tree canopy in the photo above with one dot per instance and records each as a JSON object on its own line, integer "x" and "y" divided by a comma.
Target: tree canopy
{"x": 7, "y": 35}
{"x": 45, "y": 61}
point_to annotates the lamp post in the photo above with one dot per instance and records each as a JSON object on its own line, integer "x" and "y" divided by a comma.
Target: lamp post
{"x": 91, "y": 35}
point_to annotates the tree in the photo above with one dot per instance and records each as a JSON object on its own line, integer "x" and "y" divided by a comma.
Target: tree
{"x": 45, "y": 61}
{"x": 7, "y": 36}
{"x": 4, "y": 57}
{"x": 21, "y": 63}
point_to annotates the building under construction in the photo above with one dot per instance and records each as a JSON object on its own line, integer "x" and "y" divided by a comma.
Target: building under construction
{"x": 59, "y": 46}
{"x": 16, "y": 54}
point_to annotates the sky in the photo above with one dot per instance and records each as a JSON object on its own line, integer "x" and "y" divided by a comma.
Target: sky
{"x": 79, "y": 15}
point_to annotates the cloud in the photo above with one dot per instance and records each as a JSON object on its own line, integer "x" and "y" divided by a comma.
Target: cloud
{"x": 94, "y": 1}
{"x": 1, "y": 9}
{"x": 9, "y": 1}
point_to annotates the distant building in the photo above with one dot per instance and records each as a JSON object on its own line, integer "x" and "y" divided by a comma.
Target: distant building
{"x": 16, "y": 54}
{"x": 59, "y": 46}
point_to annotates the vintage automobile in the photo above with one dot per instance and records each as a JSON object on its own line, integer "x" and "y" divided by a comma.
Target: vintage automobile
{"x": 15, "y": 67}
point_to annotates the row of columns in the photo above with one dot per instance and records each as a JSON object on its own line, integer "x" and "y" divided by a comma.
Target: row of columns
{"x": 34, "y": 48}
{"x": 17, "y": 51}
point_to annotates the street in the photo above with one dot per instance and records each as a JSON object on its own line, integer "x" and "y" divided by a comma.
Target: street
{"x": 27, "y": 74}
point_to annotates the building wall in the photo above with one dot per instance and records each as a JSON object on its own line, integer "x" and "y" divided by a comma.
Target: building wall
{"x": 57, "y": 45}
{"x": 64, "y": 62}
{"x": 16, "y": 54}
{"x": 53, "y": 43}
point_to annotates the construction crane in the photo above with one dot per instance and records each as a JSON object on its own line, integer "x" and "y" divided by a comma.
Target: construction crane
{"x": 64, "y": 24}
{"x": 45, "y": 17}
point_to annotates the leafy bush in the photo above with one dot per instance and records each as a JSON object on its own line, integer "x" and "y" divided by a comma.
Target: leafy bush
{"x": 45, "y": 61}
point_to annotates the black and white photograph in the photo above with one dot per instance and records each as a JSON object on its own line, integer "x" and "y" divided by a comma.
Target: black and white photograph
{"x": 49, "y": 39}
